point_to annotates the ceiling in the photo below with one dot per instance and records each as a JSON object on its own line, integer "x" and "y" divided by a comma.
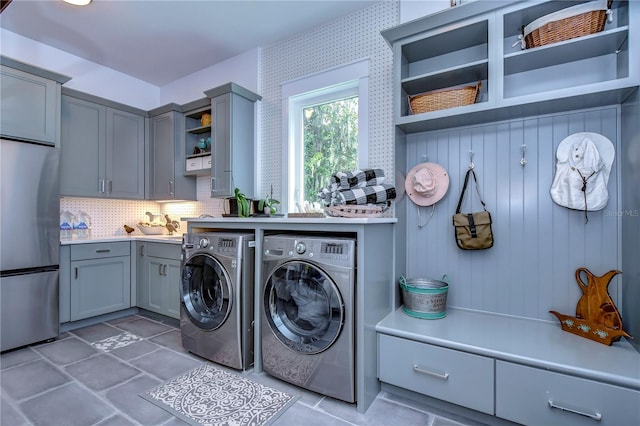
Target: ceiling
{"x": 160, "y": 41}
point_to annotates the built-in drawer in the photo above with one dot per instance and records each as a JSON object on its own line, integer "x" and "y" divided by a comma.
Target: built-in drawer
{"x": 194, "y": 163}
{"x": 99, "y": 250}
{"x": 163, "y": 250}
{"x": 458, "y": 377}
{"x": 530, "y": 395}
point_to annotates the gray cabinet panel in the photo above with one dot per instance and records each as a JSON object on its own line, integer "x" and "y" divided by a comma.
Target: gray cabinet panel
{"x": 30, "y": 106}
{"x": 453, "y": 376}
{"x": 533, "y": 396}
{"x": 233, "y": 136}
{"x": 124, "y": 156}
{"x": 166, "y": 160}
{"x": 102, "y": 151}
{"x": 99, "y": 250}
{"x": 82, "y": 147}
{"x": 100, "y": 286}
{"x": 159, "y": 278}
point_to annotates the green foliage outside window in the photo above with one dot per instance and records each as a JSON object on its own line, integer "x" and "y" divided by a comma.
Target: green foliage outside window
{"x": 330, "y": 143}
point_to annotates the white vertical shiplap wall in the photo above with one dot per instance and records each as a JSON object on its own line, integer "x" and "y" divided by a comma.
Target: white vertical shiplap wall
{"x": 538, "y": 244}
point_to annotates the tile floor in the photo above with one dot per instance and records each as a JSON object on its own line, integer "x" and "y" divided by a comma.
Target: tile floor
{"x": 93, "y": 375}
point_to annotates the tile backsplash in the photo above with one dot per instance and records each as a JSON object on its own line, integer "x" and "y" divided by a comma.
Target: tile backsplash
{"x": 108, "y": 216}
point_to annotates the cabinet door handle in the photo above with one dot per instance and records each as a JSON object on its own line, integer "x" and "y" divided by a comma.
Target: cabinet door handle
{"x": 594, "y": 415}
{"x": 170, "y": 187}
{"x": 418, "y": 369}
{"x": 110, "y": 186}
{"x": 164, "y": 269}
{"x": 213, "y": 183}
{"x": 103, "y": 251}
{"x": 160, "y": 269}
{"x": 142, "y": 250}
{"x": 76, "y": 272}
{"x": 101, "y": 186}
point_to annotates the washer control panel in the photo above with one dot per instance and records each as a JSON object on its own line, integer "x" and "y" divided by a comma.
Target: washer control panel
{"x": 336, "y": 251}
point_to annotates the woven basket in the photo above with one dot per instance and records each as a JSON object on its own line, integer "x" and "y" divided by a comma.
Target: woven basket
{"x": 354, "y": 210}
{"x": 444, "y": 98}
{"x": 546, "y": 30}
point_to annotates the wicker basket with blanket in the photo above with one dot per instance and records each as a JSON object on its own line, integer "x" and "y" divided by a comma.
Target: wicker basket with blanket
{"x": 359, "y": 193}
{"x": 572, "y": 22}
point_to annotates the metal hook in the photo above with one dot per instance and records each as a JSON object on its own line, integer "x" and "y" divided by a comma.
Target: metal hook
{"x": 471, "y": 165}
{"x": 523, "y": 159}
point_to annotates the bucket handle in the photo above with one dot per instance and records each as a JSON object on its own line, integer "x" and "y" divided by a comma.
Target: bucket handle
{"x": 403, "y": 280}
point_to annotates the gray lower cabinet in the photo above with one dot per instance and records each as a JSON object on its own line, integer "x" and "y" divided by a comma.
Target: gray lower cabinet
{"x": 158, "y": 281}
{"x": 30, "y": 104}
{"x": 166, "y": 158}
{"x": 529, "y": 395}
{"x": 102, "y": 149}
{"x": 100, "y": 279}
{"x": 458, "y": 377}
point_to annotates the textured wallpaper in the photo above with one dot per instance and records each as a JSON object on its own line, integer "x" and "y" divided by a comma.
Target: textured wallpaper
{"x": 346, "y": 40}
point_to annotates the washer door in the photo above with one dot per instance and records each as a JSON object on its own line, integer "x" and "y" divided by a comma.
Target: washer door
{"x": 303, "y": 307}
{"x": 206, "y": 291}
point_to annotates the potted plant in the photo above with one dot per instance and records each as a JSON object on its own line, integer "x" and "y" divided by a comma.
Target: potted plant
{"x": 267, "y": 205}
{"x": 239, "y": 204}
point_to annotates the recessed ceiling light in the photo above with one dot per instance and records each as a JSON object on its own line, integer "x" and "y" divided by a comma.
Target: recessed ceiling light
{"x": 78, "y": 2}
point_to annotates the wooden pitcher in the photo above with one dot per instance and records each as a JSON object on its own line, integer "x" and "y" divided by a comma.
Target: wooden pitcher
{"x": 595, "y": 304}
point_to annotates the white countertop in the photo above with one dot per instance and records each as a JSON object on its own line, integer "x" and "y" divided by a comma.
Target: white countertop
{"x": 285, "y": 219}
{"x": 172, "y": 239}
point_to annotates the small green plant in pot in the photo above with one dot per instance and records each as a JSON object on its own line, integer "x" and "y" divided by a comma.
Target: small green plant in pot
{"x": 242, "y": 202}
{"x": 267, "y": 205}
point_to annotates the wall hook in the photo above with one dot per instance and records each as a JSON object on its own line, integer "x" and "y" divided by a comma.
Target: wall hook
{"x": 523, "y": 159}
{"x": 471, "y": 165}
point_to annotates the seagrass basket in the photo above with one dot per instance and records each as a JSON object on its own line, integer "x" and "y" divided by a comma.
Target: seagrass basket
{"x": 565, "y": 24}
{"x": 444, "y": 98}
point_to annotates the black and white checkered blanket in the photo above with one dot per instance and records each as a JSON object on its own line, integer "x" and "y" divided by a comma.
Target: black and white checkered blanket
{"x": 356, "y": 179}
{"x": 376, "y": 194}
{"x": 359, "y": 187}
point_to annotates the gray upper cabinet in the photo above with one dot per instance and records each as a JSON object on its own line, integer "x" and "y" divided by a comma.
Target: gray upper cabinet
{"x": 30, "y": 105}
{"x": 232, "y": 139}
{"x": 478, "y": 41}
{"x": 166, "y": 157}
{"x": 102, "y": 149}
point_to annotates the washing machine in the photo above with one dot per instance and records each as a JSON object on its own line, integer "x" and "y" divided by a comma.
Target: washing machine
{"x": 307, "y": 314}
{"x": 216, "y": 290}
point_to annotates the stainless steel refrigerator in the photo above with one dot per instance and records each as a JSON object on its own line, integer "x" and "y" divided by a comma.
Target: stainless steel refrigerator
{"x": 29, "y": 243}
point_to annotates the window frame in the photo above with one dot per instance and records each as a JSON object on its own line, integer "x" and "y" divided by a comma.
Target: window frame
{"x": 333, "y": 84}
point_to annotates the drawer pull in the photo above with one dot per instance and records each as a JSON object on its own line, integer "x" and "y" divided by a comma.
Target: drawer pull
{"x": 444, "y": 376}
{"x": 594, "y": 415}
{"x": 103, "y": 251}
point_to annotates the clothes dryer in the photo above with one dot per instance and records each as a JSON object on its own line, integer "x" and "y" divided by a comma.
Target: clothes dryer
{"x": 217, "y": 285}
{"x": 307, "y": 314}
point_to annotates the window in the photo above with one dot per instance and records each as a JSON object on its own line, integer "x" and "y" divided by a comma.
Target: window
{"x": 325, "y": 130}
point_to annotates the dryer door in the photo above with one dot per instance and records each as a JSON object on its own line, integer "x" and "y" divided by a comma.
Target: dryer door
{"x": 303, "y": 306}
{"x": 206, "y": 291}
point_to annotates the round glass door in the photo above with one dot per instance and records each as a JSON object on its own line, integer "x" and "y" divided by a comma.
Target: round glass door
{"x": 303, "y": 307}
{"x": 205, "y": 291}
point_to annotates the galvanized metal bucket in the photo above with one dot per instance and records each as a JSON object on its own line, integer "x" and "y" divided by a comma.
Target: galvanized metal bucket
{"x": 425, "y": 298}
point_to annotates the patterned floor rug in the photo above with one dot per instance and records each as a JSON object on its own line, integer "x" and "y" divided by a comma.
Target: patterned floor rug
{"x": 208, "y": 395}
